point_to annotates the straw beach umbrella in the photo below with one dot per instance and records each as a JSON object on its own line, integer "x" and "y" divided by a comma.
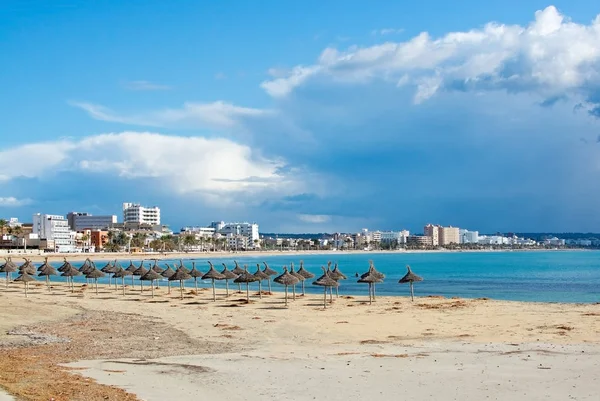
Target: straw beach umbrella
{"x": 260, "y": 276}
{"x": 109, "y": 268}
{"x": 300, "y": 278}
{"x": 181, "y": 266}
{"x": 370, "y": 278}
{"x": 246, "y": 277}
{"x": 337, "y": 275}
{"x": 69, "y": 273}
{"x": 27, "y": 267}
{"x": 286, "y": 279}
{"x": 167, "y": 273}
{"x": 304, "y": 273}
{"x": 376, "y": 274}
{"x": 121, "y": 273}
{"x": 213, "y": 275}
{"x": 270, "y": 272}
{"x": 94, "y": 274}
{"x": 156, "y": 268}
{"x": 151, "y": 276}
{"x": 410, "y": 278}
{"x": 195, "y": 273}
{"x": 180, "y": 275}
{"x": 9, "y": 267}
{"x": 47, "y": 270}
{"x": 26, "y": 279}
{"x": 325, "y": 281}
{"x": 131, "y": 268}
{"x": 227, "y": 275}
{"x": 85, "y": 268}
{"x": 140, "y": 271}
{"x": 237, "y": 270}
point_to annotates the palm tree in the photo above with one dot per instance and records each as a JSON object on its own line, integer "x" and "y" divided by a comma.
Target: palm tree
{"x": 138, "y": 240}
{"x": 3, "y": 224}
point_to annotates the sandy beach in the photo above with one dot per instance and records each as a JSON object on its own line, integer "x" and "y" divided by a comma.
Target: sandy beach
{"x": 81, "y": 346}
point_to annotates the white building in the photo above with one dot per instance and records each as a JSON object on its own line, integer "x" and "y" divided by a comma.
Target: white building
{"x": 204, "y": 232}
{"x": 55, "y": 228}
{"x": 468, "y": 237}
{"x": 85, "y": 221}
{"x": 432, "y": 232}
{"x": 249, "y": 230}
{"x": 136, "y": 213}
{"x": 388, "y": 237}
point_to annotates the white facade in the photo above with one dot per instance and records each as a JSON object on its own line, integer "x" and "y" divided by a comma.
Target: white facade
{"x": 469, "y": 237}
{"x": 249, "y": 230}
{"x": 391, "y": 236}
{"x": 55, "y": 228}
{"x": 136, "y": 213}
{"x": 85, "y": 221}
{"x": 432, "y": 232}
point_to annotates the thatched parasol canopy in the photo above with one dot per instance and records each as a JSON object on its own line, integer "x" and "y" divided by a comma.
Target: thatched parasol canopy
{"x": 156, "y": 268}
{"x": 196, "y": 274}
{"x": 121, "y": 273}
{"x": 270, "y": 272}
{"x": 94, "y": 274}
{"x": 300, "y": 278}
{"x": 370, "y": 278}
{"x": 237, "y": 269}
{"x": 65, "y": 266}
{"x": 131, "y": 268}
{"x": 26, "y": 278}
{"x": 304, "y": 273}
{"x": 261, "y": 276}
{"x": 181, "y": 266}
{"x": 9, "y": 267}
{"x": 246, "y": 277}
{"x": 47, "y": 270}
{"x": 213, "y": 275}
{"x": 410, "y": 278}
{"x": 180, "y": 275}
{"x": 69, "y": 273}
{"x": 43, "y": 265}
{"x": 325, "y": 281}
{"x": 286, "y": 279}
{"x": 27, "y": 267}
{"x": 151, "y": 276}
{"x": 228, "y": 275}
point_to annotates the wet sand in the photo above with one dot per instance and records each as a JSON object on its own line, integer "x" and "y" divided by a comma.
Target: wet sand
{"x": 433, "y": 348}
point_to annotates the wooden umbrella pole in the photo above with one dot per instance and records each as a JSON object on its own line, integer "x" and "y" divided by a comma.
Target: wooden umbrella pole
{"x": 169, "y": 285}
{"x": 226, "y": 287}
{"x": 337, "y": 292}
{"x": 286, "y": 292}
{"x": 331, "y": 295}
{"x": 181, "y": 287}
{"x": 152, "y": 284}
{"x": 412, "y": 295}
{"x": 269, "y": 286}
{"x": 214, "y": 291}
{"x": 303, "y": 294}
{"x": 25, "y": 289}
{"x": 132, "y": 280}
{"x": 247, "y": 291}
{"x": 96, "y": 281}
{"x": 325, "y": 297}
{"x": 196, "y": 284}
{"x": 240, "y": 287}
{"x": 260, "y": 289}
{"x": 294, "y": 292}
{"x": 48, "y": 282}
{"x": 123, "y": 280}
{"x": 141, "y": 285}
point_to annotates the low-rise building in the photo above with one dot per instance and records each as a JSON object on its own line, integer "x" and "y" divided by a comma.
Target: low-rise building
{"x": 419, "y": 240}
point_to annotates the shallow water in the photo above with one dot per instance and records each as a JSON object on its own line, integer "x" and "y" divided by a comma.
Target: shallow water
{"x": 544, "y": 276}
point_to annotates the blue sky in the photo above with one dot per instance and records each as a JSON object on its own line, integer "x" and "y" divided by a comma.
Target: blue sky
{"x": 304, "y": 116}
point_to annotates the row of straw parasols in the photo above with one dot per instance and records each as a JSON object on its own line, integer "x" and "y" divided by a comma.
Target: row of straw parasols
{"x": 289, "y": 278}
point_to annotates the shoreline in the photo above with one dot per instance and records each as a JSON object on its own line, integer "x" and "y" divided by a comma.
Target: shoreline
{"x": 121, "y": 256}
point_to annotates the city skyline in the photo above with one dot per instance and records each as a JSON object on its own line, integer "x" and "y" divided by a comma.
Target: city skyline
{"x": 481, "y": 115}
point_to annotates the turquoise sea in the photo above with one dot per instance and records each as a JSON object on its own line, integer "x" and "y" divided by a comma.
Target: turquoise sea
{"x": 539, "y": 276}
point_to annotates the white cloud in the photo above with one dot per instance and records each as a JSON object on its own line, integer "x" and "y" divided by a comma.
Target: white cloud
{"x": 386, "y": 31}
{"x": 551, "y": 56}
{"x": 11, "y": 201}
{"x": 314, "y": 218}
{"x": 145, "y": 86}
{"x": 183, "y": 165}
{"x": 217, "y": 114}
{"x": 220, "y": 75}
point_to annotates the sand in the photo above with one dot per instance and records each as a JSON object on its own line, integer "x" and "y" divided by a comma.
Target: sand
{"x": 433, "y": 348}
